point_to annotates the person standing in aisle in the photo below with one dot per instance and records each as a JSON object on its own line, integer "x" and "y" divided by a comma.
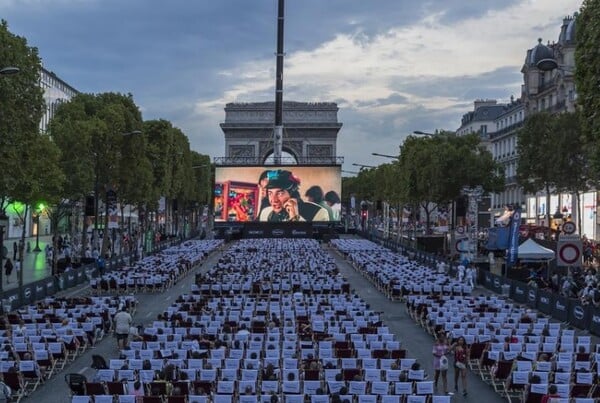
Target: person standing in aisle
{"x": 122, "y": 322}
{"x": 440, "y": 361}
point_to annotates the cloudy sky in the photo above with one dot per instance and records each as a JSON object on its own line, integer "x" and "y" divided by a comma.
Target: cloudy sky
{"x": 393, "y": 66}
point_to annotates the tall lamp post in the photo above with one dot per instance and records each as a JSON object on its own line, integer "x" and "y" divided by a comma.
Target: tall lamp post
{"x": 474, "y": 194}
{"x": 208, "y": 193}
{"x": 38, "y": 213}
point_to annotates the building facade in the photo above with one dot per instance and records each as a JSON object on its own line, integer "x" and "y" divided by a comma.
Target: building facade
{"x": 548, "y": 86}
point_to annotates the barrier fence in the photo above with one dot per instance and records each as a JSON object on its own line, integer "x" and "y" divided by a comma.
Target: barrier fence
{"x": 563, "y": 309}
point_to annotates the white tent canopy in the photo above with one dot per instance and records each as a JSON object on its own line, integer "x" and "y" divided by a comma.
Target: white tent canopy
{"x": 531, "y": 250}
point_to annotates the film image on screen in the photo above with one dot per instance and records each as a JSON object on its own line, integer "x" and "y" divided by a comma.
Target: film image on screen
{"x": 277, "y": 194}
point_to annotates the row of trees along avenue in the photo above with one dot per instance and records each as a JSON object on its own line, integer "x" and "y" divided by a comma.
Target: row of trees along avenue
{"x": 430, "y": 172}
{"x": 94, "y": 142}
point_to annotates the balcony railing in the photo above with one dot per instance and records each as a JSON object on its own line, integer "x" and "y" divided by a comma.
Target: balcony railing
{"x": 506, "y": 130}
{"x": 255, "y": 161}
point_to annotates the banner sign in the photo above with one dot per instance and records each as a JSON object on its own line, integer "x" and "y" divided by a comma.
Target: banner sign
{"x": 595, "y": 321}
{"x": 545, "y": 302}
{"x": 532, "y": 296}
{"x": 513, "y": 240}
{"x": 579, "y": 314}
{"x": 278, "y": 230}
{"x": 519, "y": 292}
{"x": 560, "y": 309}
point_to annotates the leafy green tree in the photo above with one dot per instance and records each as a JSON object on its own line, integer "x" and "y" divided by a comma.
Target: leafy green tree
{"x": 537, "y": 148}
{"x": 89, "y": 129}
{"x": 587, "y": 78}
{"x": 572, "y": 162}
{"x": 21, "y": 109}
{"x": 425, "y": 164}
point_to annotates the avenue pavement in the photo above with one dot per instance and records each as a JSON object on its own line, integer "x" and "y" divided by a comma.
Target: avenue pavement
{"x": 417, "y": 342}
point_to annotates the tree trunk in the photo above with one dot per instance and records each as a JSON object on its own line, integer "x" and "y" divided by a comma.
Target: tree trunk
{"x": 578, "y": 198}
{"x": 22, "y": 246}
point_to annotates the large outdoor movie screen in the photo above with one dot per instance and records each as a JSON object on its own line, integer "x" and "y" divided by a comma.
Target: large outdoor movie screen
{"x": 277, "y": 194}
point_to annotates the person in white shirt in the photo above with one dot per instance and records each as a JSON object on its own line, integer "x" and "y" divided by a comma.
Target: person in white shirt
{"x": 122, "y": 321}
{"x": 461, "y": 272}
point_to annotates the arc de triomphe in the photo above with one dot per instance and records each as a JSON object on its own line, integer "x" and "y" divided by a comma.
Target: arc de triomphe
{"x": 310, "y": 132}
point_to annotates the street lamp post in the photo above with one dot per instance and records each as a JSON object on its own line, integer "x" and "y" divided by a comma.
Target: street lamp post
{"x": 37, "y": 233}
{"x": 474, "y": 194}
{"x": 208, "y": 194}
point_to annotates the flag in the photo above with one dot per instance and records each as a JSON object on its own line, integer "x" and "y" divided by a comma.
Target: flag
{"x": 513, "y": 239}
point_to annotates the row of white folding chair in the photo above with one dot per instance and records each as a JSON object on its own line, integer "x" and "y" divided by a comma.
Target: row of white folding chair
{"x": 581, "y": 378}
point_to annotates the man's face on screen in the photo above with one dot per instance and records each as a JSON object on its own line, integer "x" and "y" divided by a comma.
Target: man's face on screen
{"x": 278, "y": 198}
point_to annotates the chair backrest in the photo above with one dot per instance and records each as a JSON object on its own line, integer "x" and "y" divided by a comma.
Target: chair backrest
{"x": 81, "y": 399}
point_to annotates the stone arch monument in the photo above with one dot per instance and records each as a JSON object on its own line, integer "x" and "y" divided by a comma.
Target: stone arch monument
{"x": 310, "y": 132}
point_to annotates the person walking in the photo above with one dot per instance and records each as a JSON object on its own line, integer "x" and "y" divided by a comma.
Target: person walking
{"x": 8, "y": 268}
{"x": 440, "y": 361}
{"x": 122, "y": 321}
{"x": 461, "y": 357}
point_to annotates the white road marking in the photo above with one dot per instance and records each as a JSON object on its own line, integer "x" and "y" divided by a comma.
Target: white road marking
{"x": 168, "y": 298}
{"x": 82, "y": 370}
{"x": 149, "y": 314}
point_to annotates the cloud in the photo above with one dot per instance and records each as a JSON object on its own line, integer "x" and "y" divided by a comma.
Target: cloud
{"x": 392, "y": 66}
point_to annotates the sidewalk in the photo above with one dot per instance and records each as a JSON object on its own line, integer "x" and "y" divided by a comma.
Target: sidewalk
{"x": 34, "y": 263}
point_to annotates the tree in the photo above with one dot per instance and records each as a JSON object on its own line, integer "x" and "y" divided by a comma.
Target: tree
{"x": 538, "y": 167}
{"x": 572, "y": 163}
{"x": 89, "y": 129}
{"x": 21, "y": 109}
{"x": 587, "y": 78}
{"x": 425, "y": 164}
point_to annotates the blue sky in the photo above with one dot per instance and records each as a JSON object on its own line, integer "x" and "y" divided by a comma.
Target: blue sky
{"x": 392, "y": 66}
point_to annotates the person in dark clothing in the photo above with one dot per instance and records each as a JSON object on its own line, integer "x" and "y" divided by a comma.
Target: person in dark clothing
{"x": 8, "y": 268}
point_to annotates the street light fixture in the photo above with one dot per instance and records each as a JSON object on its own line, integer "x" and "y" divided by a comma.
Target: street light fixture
{"x": 420, "y": 133}
{"x": 394, "y": 157}
{"x": 7, "y": 71}
{"x": 363, "y": 166}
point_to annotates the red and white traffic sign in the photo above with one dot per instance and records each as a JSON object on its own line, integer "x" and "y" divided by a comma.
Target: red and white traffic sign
{"x": 569, "y": 253}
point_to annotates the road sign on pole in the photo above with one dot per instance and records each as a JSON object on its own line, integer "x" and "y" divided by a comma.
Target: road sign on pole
{"x": 568, "y": 253}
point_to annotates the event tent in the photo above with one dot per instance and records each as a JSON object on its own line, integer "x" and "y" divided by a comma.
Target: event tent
{"x": 531, "y": 250}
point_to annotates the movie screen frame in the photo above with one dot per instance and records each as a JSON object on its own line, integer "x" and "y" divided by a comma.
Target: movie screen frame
{"x": 266, "y": 193}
